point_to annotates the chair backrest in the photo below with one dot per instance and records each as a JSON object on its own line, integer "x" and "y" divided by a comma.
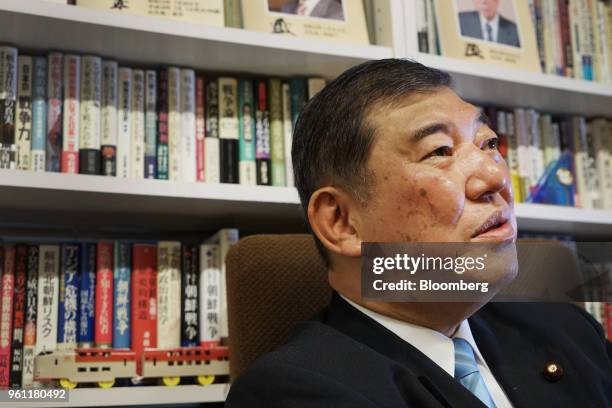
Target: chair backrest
{"x": 273, "y": 283}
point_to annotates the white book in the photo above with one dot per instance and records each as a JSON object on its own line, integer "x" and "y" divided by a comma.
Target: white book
{"x": 168, "y": 294}
{"x": 574, "y": 23}
{"x": 605, "y": 41}
{"x": 48, "y": 298}
{"x": 602, "y": 143}
{"x": 23, "y": 113}
{"x": 188, "y": 126}
{"x": 124, "y": 122}
{"x": 210, "y": 293}
{"x": 225, "y": 238}
{"x": 523, "y": 152}
{"x": 71, "y": 112}
{"x": 536, "y": 152}
{"x": 109, "y": 125}
{"x": 91, "y": 105}
{"x": 584, "y": 166}
{"x": 211, "y": 160}
{"x": 288, "y": 134}
{"x": 174, "y": 124}
{"x": 137, "y": 152}
{"x": 513, "y": 162}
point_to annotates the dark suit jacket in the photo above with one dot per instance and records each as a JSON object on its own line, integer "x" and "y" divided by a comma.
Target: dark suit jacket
{"x": 347, "y": 360}
{"x": 324, "y": 8}
{"x": 470, "y": 27}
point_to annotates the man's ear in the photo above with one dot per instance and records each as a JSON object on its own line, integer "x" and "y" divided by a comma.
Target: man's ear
{"x": 332, "y": 214}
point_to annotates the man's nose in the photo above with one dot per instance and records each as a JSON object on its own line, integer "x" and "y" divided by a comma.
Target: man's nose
{"x": 486, "y": 176}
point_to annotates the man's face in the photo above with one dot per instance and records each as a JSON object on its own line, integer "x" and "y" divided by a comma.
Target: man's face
{"x": 487, "y": 8}
{"x": 437, "y": 175}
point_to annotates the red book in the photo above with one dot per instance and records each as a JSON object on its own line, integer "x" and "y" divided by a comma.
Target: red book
{"x": 6, "y": 314}
{"x": 103, "y": 336}
{"x": 70, "y": 150}
{"x": 144, "y": 299}
{"x": 21, "y": 267}
{"x": 200, "y": 128}
{"x": 566, "y": 38}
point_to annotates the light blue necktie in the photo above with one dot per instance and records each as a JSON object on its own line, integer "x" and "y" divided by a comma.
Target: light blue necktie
{"x": 467, "y": 373}
{"x": 489, "y": 31}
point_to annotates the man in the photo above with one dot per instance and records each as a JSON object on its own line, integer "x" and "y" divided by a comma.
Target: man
{"x": 387, "y": 152}
{"x": 487, "y": 24}
{"x": 331, "y": 9}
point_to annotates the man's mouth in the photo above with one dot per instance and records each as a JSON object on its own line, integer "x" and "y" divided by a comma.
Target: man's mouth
{"x": 496, "y": 228}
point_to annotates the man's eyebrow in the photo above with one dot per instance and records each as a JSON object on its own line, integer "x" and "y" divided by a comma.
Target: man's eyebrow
{"x": 422, "y": 133}
{"x": 484, "y": 119}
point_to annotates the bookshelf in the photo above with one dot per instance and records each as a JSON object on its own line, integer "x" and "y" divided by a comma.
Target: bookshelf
{"x": 77, "y": 204}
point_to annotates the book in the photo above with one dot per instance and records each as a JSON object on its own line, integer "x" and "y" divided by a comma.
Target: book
{"x": 536, "y": 153}
{"x": 210, "y": 294}
{"x": 162, "y": 125}
{"x": 200, "y": 115}
{"x": 566, "y": 38}
{"x": 593, "y": 181}
{"x": 110, "y": 123}
{"x": 523, "y": 152}
{"x": 55, "y": 92}
{"x": 262, "y": 134}
{"x": 287, "y": 134}
{"x": 68, "y": 307}
{"x": 584, "y": 186}
{"x": 228, "y": 130}
{"x": 187, "y": 104}
{"x": 246, "y": 129}
{"x": 48, "y": 298}
{"x": 513, "y": 160}
{"x": 277, "y": 148}
{"x": 211, "y": 140}
{"x": 137, "y": 128}
{"x": 602, "y": 145}
{"x": 190, "y": 299}
{"x": 600, "y": 21}
{"x": 314, "y": 86}
{"x": 8, "y": 96}
{"x": 174, "y": 124}
{"x": 103, "y": 332}
{"x": 21, "y": 266}
{"x": 7, "y": 275}
{"x": 29, "y": 335}
{"x": 168, "y": 294}
{"x": 39, "y": 113}
{"x": 87, "y": 294}
{"x": 71, "y": 112}
{"x": 124, "y": 123}
{"x": 144, "y": 298}
{"x": 23, "y": 113}
{"x": 150, "y": 124}
{"x": 91, "y": 111}
{"x": 299, "y": 97}
{"x": 121, "y": 295}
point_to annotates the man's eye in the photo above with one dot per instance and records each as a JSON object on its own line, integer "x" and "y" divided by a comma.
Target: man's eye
{"x": 440, "y": 151}
{"x": 492, "y": 144}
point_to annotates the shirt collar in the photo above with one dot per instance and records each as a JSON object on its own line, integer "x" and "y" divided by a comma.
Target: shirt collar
{"x": 494, "y": 23}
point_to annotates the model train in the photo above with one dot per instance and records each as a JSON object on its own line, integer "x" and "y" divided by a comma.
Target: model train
{"x": 103, "y": 366}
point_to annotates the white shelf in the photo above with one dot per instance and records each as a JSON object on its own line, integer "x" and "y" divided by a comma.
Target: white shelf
{"x": 40, "y": 25}
{"x": 487, "y": 84}
{"x": 145, "y": 395}
{"x": 91, "y": 202}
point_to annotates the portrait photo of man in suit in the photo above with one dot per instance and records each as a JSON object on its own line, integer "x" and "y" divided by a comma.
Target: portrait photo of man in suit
{"x": 330, "y": 9}
{"x": 388, "y": 152}
{"x": 486, "y": 23}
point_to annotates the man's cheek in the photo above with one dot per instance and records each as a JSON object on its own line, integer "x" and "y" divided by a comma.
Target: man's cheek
{"x": 437, "y": 197}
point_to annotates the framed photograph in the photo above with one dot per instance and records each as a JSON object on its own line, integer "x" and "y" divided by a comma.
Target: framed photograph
{"x": 337, "y": 20}
{"x": 498, "y": 32}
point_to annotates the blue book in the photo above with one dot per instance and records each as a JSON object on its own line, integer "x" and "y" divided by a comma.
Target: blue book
{"x": 87, "y": 292}
{"x": 68, "y": 297}
{"x": 39, "y": 113}
{"x": 121, "y": 295}
{"x": 556, "y": 186}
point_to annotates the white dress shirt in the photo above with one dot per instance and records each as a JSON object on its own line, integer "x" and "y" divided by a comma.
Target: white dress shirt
{"x": 494, "y": 25}
{"x": 308, "y": 6}
{"x": 439, "y": 348}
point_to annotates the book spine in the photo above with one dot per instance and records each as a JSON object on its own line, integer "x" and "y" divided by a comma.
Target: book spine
{"x": 558, "y": 45}
{"x": 523, "y": 152}
{"x": 6, "y": 313}
{"x": 210, "y": 290}
{"x": 608, "y": 7}
{"x": 71, "y": 112}
{"x": 8, "y": 96}
{"x": 87, "y": 293}
{"x": 246, "y": 126}
{"x": 211, "y": 140}
{"x": 103, "y": 333}
{"x": 228, "y": 130}
{"x": 48, "y": 298}
{"x": 586, "y": 41}
{"x": 535, "y": 145}
{"x": 174, "y": 124}
{"x": 200, "y": 129}
{"x": 601, "y": 145}
{"x": 29, "y": 335}
{"x": 68, "y": 297}
{"x": 190, "y": 322}
{"x": 168, "y": 294}
{"x": 287, "y": 134}
{"x": 262, "y": 135}
{"x": 137, "y": 128}
{"x": 55, "y": 88}
{"x": 566, "y": 38}
{"x": 188, "y": 125}
{"x": 277, "y": 148}
{"x": 574, "y": 23}
{"x": 314, "y": 86}
{"x": 21, "y": 266}
{"x": 595, "y": 40}
{"x": 605, "y": 42}
{"x": 121, "y": 295}
{"x": 421, "y": 25}
{"x": 593, "y": 181}
{"x": 23, "y": 114}
{"x": 162, "y": 125}
{"x": 109, "y": 126}
{"x": 298, "y": 97}
{"x": 91, "y": 104}
{"x": 581, "y": 162}
{"x": 124, "y": 122}
{"x": 144, "y": 298}
{"x": 39, "y": 113}
{"x": 513, "y": 160}
{"x": 150, "y": 124}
